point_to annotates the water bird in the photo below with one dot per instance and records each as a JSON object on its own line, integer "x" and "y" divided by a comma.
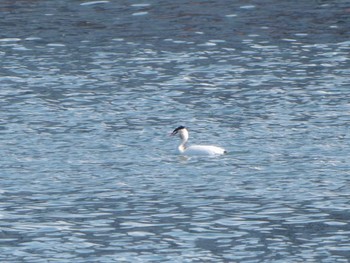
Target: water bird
{"x": 195, "y": 149}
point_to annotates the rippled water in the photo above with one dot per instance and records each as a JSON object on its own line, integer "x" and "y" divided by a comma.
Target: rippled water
{"x": 90, "y": 90}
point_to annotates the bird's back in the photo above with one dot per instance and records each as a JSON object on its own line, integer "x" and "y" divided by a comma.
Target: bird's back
{"x": 204, "y": 150}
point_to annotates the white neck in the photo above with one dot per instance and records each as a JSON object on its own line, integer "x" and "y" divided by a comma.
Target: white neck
{"x": 184, "y": 138}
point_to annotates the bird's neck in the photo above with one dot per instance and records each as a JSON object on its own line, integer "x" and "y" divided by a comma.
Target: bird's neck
{"x": 182, "y": 146}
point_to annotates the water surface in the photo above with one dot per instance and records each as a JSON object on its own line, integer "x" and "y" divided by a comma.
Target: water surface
{"x": 91, "y": 89}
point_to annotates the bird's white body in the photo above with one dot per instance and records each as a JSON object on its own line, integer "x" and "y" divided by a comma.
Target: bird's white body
{"x": 195, "y": 149}
{"x": 203, "y": 150}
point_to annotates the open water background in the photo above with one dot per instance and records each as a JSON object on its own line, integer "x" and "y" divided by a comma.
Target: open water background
{"x": 90, "y": 90}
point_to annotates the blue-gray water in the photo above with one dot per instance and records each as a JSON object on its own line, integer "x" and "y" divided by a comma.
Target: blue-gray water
{"x": 89, "y": 92}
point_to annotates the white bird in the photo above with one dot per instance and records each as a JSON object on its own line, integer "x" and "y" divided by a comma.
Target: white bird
{"x": 195, "y": 149}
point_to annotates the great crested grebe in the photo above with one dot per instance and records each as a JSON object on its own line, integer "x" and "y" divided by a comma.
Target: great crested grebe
{"x": 195, "y": 149}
